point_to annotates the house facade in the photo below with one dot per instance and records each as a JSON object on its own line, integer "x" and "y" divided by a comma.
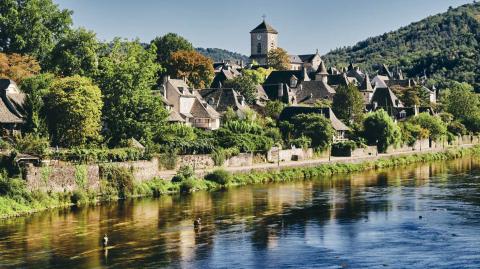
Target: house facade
{"x": 12, "y": 113}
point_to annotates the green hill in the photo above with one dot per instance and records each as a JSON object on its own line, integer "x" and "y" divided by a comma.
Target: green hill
{"x": 217, "y": 55}
{"x": 445, "y": 46}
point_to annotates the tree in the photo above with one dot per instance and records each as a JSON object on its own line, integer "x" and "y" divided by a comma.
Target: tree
{"x": 381, "y": 130}
{"x": 348, "y": 104}
{"x": 73, "y": 106}
{"x": 461, "y": 101}
{"x": 257, "y": 75}
{"x": 32, "y": 26}
{"x": 278, "y": 59}
{"x": 273, "y": 109}
{"x": 36, "y": 88}
{"x": 245, "y": 86}
{"x": 192, "y": 65}
{"x": 411, "y": 133}
{"x": 127, "y": 75}
{"x": 75, "y": 54}
{"x": 169, "y": 44}
{"x": 315, "y": 127}
{"x": 17, "y": 67}
{"x": 410, "y": 97}
{"x": 434, "y": 125}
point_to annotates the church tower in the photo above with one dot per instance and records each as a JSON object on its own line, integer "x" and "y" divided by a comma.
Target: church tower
{"x": 262, "y": 39}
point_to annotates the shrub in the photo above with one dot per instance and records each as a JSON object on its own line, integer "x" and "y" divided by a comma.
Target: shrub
{"x": 32, "y": 144}
{"x": 220, "y": 176}
{"x": 456, "y": 128}
{"x": 192, "y": 185}
{"x": 79, "y": 197}
{"x": 343, "y": 148}
{"x": 184, "y": 172}
{"x": 119, "y": 178}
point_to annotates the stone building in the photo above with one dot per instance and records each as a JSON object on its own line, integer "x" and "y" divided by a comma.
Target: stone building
{"x": 12, "y": 113}
{"x": 263, "y": 39}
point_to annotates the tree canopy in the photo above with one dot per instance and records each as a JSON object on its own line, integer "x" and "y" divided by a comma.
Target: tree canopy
{"x": 17, "y": 67}
{"x": 73, "y": 106}
{"x": 127, "y": 74}
{"x": 32, "y": 26}
{"x": 278, "y": 59}
{"x": 192, "y": 65}
{"x": 245, "y": 86}
{"x": 315, "y": 127}
{"x": 381, "y": 130}
{"x": 75, "y": 54}
{"x": 348, "y": 104}
{"x": 169, "y": 44}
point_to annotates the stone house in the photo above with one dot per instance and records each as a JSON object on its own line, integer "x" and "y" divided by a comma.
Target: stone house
{"x": 223, "y": 98}
{"x": 186, "y": 106}
{"x": 12, "y": 112}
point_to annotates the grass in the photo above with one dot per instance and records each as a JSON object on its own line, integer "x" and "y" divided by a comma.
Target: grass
{"x": 117, "y": 183}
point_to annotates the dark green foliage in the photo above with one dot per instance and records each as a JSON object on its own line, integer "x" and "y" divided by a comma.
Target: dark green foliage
{"x": 433, "y": 124}
{"x": 343, "y": 148}
{"x": 348, "y": 104}
{"x": 32, "y": 26}
{"x": 118, "y": 178}
{"x": 218, "y": 55}
{"x": 99, "y": 155}
{"x": 446, "y": 46}
{"x": 220, "y": 155}
{"x": 243, "y": 135}
{"x": 412, "y": 132}
{"x": 273, "y": 109}
{"x": 315, "y": 127}
{"x": 31, "y": 144}
{"x": 381, "y": 130}
{"x": 245, "y": 86}
{"x": 219, "y": 176}
{"x": 168, "y": 44}
{"x": 456, "y": 128}
{"x": 184, "y": 172}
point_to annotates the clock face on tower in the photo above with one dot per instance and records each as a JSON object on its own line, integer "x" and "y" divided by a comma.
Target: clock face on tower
{"x": 259, "y": 36}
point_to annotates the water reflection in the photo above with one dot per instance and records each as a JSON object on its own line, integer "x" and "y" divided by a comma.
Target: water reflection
{"x": 361, "y": 220}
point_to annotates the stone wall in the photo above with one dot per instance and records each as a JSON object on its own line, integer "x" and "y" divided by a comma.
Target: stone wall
{"x": 196, "y": 161}
{"x": 142, "y": 170}
{"x": 286, "y": 155}
{"x": 368, "y": 151}
{"x": 243, "y": 159}
{"x": 60, "y": 177}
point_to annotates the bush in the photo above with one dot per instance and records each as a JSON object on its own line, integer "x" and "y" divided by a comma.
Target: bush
{"x": 118, "y": 178}
{"x": 456, "y": 128}
{"x": 192, "y": 185}
{"x": 343, "y": 148}
{"x": 79, "y": 197}
{"x": 32, "y": 144}
{"x": 99, "y": 155}
{"x": 184, "y": 172}
{"x": 220, "y": 176}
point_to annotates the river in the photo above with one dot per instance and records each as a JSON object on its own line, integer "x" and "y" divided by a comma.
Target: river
{"x": 421, "y": 216}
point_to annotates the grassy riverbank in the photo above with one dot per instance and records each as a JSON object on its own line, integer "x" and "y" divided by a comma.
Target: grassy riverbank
{"x": 16, "y": 200}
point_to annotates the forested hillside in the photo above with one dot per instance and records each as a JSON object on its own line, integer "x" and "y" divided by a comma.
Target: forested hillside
{"x": 217, "y": 55}
{"x": 444, "y": 46}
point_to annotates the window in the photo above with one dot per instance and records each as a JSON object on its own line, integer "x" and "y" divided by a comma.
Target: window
{"x": 259, "y": 48}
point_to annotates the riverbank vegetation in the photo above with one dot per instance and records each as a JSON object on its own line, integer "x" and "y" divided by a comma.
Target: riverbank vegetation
{"x": 118, "y": 183}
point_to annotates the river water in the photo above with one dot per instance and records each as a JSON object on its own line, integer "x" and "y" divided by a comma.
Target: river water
{"x": 422, "y": 216}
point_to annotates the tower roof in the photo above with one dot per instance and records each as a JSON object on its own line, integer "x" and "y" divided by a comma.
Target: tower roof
{"x": 264, "y": 28}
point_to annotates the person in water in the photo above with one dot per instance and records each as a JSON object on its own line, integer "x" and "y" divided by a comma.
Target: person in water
{"x": 105, "y": 241}
{"x": 197, "y": 222}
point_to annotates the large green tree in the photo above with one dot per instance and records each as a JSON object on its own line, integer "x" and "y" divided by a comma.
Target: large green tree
{"x": 461, "y": 101}
{"x": 75, "y": 54}
{"x": 244, "y": 85}
{"x": 73, "y": 107}
{"x": 381, "y": 130}
{"x": 435, "y": 126}
{"x": 192, "y": 65}
{"x": 127, "y": 74}
{"x": 348, "y": 104}
{"x": 36, "y": 88}
{"x": 278, "y": 59}
{"x": 32, "y": 26}
{"x": 315, "y": 127}
{"x": 168, "y": 44}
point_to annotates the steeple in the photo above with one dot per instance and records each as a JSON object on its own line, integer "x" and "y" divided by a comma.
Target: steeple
{"x": 322, "y": 73}
{"x": 366, "y": 84}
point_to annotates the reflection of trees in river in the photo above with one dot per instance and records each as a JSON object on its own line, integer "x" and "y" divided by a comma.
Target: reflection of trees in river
{"x": 160, "y": 231}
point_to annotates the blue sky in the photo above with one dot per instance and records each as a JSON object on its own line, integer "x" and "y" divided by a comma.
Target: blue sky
{"x": 304, "y": 25}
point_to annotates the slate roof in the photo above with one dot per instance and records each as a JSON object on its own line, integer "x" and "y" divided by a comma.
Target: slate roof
{"x": 384, "y": 97}
{"x": 222, "y": 99}
{"x": 282, "y": 76}
{"x": 11, "y": 102}
{"x": 175, "y": 117}
{"x": 200, "y": 110}
{"x": 338, "y": 79}
{"x": 311, "y": 91}
{"x": 180, "y": 83}
{"x": 322, "y": 70}
{"x": 264, "y": 28}
{"x": 295, "y": 59}
{"x": 289, "y": 112}
{"x": 366, "y": 84}
{"x": 307, "y": 57}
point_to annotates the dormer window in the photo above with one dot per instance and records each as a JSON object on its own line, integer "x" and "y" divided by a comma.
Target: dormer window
{"x": 293, "y": 82}
{"x": 181, "y": 90}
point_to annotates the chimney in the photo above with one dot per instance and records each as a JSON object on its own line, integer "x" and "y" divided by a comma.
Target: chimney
{"x": 280, "y": 90}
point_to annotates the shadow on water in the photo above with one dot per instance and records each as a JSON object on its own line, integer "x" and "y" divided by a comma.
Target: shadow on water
{"x": 348, "y": 218}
